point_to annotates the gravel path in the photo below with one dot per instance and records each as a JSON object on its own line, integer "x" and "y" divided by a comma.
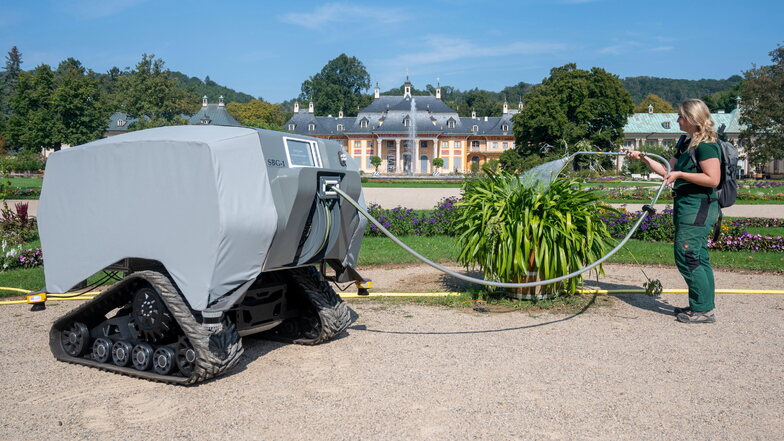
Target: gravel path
{"x": 626, "y": 371}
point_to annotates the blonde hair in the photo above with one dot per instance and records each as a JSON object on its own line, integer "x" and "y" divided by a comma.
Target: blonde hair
{"x": 696, "y": 113}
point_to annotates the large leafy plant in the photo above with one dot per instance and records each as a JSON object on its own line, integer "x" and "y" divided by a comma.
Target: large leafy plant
{"x": 509, "y": 229}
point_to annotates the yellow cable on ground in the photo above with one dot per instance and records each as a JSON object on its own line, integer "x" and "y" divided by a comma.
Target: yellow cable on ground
{"x": 90, "y": 295}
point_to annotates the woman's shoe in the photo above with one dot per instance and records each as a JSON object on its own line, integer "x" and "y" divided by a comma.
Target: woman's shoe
{"x": 696, "y": 317}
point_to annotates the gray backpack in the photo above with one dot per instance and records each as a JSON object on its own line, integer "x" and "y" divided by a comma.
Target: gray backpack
{"x": 727, "y": 190}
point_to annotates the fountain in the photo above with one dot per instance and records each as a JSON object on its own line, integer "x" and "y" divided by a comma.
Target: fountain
{"x": 411, "y": 145}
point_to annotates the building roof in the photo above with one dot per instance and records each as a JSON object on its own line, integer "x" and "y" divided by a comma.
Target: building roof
{"x": 667, "y": 123}
{"x": 119, "y": 121}
{"x": 395, "y": 114}
{"x": 214, "y": 114}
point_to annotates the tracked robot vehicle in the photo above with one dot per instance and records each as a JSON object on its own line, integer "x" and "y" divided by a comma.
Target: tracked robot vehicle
{"x": 220, "y": 232}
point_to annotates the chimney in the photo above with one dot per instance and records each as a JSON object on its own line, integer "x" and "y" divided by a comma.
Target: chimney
{"x": 407, "y": 87}
{"x": 296, "y": 106}
{"x": 650, "y": 108}
{"x": 310, "y": 107}
{"x": 485, "y": 119}
{"x": 438, "y": 89}
{"x": 220, "y": 101}
{"x": 473, "y": 114}
{"x": 376, "y": 92}
{"x": 506, "y": 107}
{"x": 204, "y": 101}
{"x": 340, "y": 113}
{"x": 520, "y": 104}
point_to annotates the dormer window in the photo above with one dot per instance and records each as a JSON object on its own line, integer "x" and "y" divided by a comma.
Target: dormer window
{"x": 121, "y": 122}
{"x": 475, "y": 128}
{"x": 406, "y": 122}
{"x": 363, "y": 123}
{"x": 450, "y": 124}
{"x": 206, "y": 121}
{"x": 666, "y": 124}
{"x": 340, "y": 127}
{"x": 292, "y": 127}
{"x": 311, "y": 127}
{"x": 505, "y": 128}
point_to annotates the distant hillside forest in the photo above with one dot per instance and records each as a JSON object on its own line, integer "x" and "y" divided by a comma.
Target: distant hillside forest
{"x": 674, "y": 91}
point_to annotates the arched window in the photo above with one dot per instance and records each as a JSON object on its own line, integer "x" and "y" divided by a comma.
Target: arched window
{"x": 292, "y": 127}
{"x": 406, "y": 122}
{"x": 363, "y": 123}
{"x": 505, "y": 128}
{"x": 311, "y": 127}
{"x": 340, "y": 127}
{"x": 450, "y": 124}
{"x": 475, "y": 128}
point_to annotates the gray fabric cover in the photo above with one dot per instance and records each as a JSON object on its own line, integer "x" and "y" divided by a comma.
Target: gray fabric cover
{"x": 195, "y": 198}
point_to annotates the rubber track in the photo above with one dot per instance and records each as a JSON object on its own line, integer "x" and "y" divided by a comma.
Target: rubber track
{"x": 333, "y": 313}
{"x": 216, "y": 353}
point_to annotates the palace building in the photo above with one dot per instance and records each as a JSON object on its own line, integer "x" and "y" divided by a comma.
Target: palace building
{"x": 407, "y": 132}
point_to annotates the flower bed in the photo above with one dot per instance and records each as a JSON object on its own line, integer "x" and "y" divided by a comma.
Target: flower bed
{"x": 747, "y": 242}
{"x": 402, "y": 221}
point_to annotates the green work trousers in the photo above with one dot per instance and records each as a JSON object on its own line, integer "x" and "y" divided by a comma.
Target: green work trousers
{"x": 694, "y": 217}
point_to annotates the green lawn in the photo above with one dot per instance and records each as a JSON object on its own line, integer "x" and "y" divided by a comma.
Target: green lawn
{"x": 380, "y": 250}
{"x": 26, "y": 182}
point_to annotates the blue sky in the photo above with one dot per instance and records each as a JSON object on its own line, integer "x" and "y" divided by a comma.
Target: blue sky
{"x": 268, "y": 48}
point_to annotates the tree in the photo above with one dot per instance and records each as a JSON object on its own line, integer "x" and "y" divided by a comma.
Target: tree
{"x": 571, "y": 105}
{"x": 484, "y": 103}
{"x": 659, "y": 105}
{"x": 438, "y": 163}
{"x": 338, "y": 86}
{"x": 152, "y": 96}
{"x": 32, "y": 124}
{"x": 78, "y": 104}
{"x": 763, "y": 110}
{"x": 375, "y": 161}
{"x": 257, "y": 113}
{"x": 13, "y": 66}
{"x": 54, "y": 108}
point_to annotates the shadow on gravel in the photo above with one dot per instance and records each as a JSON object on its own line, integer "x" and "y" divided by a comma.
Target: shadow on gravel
{"x": 256, "y": 346}
{"x": 482, "y": 331}
{"x": 641, "y": 301}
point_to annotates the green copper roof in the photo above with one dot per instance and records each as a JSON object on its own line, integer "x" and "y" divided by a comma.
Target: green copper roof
{"x": 665, "y": 123}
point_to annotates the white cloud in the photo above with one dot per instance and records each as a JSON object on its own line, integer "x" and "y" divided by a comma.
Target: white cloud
{"x": 662, "y": 48}
{"x": 439, "y": 49}
{"x": 333, "y": 13}
{"x": 92, "y": 9}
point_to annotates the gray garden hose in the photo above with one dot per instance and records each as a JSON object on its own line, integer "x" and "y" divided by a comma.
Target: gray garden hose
{"x": 424, "y": 259}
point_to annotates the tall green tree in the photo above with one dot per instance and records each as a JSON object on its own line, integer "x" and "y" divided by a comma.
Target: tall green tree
{"x": 33, "y": 125}
{"x": 51, "y": 108}
{"x": 762, "y": 113}
{"x": 339, "y": 85}
{"x": 8, "y": 80}
{"x": 150, "y": 94}
{"x": 78, "y": 103}
{"x": 572, "y": 105}
{"x": 484, "y": 103}
{"x": 257, "y": 113}
{"x": 660, "y": 105}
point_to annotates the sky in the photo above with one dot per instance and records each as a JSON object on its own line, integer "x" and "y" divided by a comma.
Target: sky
{"x": 267, "y": 49}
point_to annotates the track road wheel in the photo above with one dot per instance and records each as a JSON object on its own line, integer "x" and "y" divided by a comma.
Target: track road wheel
{"x": 76, "y": 339}
{"x": 163, "y": 360}
{"x": 142, "y": 356}
{"x": 186, "y": 357}
{"x": 102, "y": 350}
{"x": 121, "y": 353}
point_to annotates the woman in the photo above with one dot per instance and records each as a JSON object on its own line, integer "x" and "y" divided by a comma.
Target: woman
{"x": 695, "y": 207}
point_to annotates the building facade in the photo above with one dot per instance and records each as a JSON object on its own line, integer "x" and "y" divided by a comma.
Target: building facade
{"x": 407, "y": 132}
{"x": 662, "y": 130}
